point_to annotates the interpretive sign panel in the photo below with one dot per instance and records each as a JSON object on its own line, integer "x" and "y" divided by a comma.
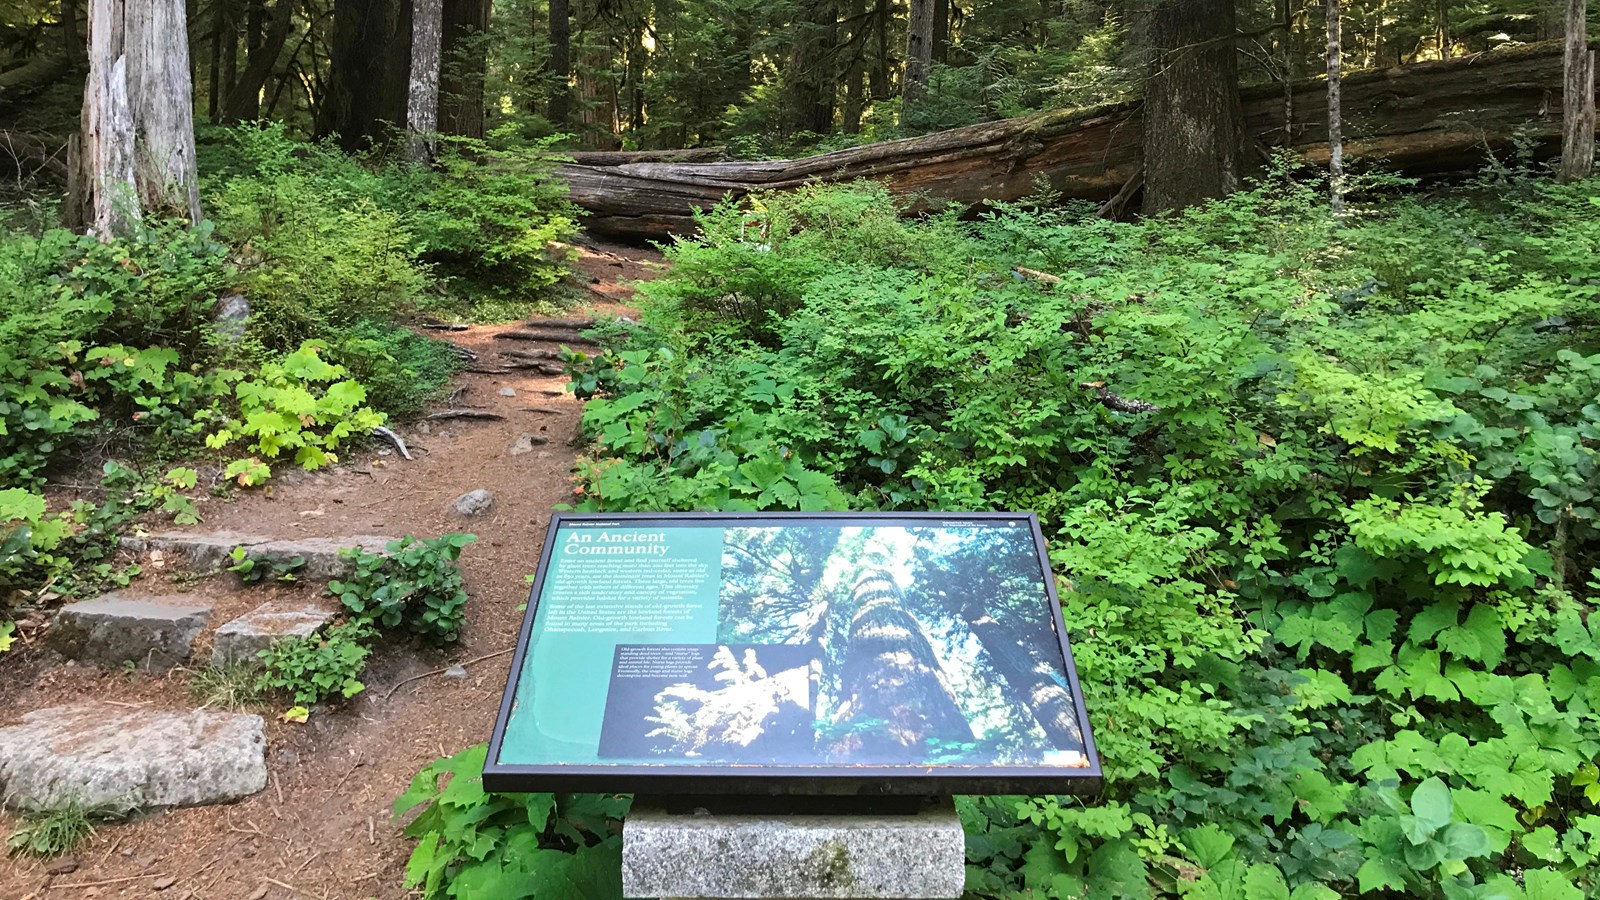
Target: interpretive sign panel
{"x": 793, "y": 653}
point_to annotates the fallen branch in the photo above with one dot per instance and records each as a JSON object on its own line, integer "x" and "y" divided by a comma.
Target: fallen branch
{"x": 478, "y": 659}
{"x": 399, "y": 445}
{"x": 89, "y": 884}
{"x": 1113, "y": 401}
{"x": 1113, "y": 208}
{"x": 1037, "y": 275}
{"x": 553, "y": 337}
{"x": 445, "y": 326}
{"x": 465, "y": 414}
{"x": 543, "y": 410}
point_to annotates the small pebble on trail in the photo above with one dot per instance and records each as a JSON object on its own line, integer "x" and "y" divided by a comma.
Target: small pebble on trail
{"x": 508, "y": 392}
{"x": 456, "y": 671}
{"x": 525, "y": 443}
{"x": 474, "y": 502}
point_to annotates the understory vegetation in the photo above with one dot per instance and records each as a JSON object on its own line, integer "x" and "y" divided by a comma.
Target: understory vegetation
{"x": 181, "y": 358}
{"x": 1319, "y": 496}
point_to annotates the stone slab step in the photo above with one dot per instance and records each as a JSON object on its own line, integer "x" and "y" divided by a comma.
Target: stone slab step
{"x": 98, "y": 753}
{"x": 237, "y": 642}
{"x": 153, "y": 633}
{"x": 211, "y": 551}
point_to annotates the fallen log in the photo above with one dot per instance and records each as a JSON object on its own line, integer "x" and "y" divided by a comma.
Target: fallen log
{"x": 553, "y": 337}
{"x": 1429, "y": 118}
{"x": 543, "y": 368}
{"x": 534, "y": 354}
{"x": 624, "y": 157}
{"x": 565, "y": 324}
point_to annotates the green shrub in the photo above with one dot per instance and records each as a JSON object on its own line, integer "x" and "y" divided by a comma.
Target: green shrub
{"x": 401, "y": 370}
{"x": 490, "y": 216}
{"x": 64, "y": 829}
{"x": 303, "y": 405}
{"x": 328, "y": 239}
{"x": 476, "y": 844}
{"x": 1320, "y": 499}
{"x": 102, "y": 336}
{"x": 316, "y": 669}
{"x": 416, "y": 587}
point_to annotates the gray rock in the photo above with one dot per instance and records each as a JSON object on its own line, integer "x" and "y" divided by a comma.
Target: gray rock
{"x": 156, "y": 633}
{"x": 209, "y": 552}
{"x": 456, "y": 671}
{"x": 525, "y": 443}
{"x": 508, "y": 392}
{"x": 233, "y": 314}
{"x": 474, "y": 502}
{"x": 772, "y": 856}
{"x": 104, "y": 754}
{"x": 237, "y": 642}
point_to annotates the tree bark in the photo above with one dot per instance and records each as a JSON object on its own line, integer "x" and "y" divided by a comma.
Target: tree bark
{"x": 369, "y": 61}
{"x": 1428, "y": 119}
{"x": 1442, "y": 27}
{"x": 1032, "y": 680}
{"x": 1577, "y": 97}
{"x": 560, "y": 64}
{"x": 219, "y": 33}
{"x": 1193, "y": 145}
{"x": 809, "y": 86}
{"x": 243, "y": 104}
{"x": 138, "y": 122}
{"x": 855, "y": 12}
{"x": 597, "y": 101}
{"x": 939, "y": 45}
{"x": 422, "y": 99}
{"x": 919, "y": 55}
{"x": 464, "y": 56}
{"x": 880, "y": 62}
{"x": 1335, "y": 110}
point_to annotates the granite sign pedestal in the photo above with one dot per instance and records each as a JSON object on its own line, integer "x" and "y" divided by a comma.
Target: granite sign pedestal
{"x": 701, "y": 854}
{"x": 797, "y": 685}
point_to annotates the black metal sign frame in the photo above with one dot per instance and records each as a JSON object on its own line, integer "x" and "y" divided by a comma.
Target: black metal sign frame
{"x": 789, "y": 779}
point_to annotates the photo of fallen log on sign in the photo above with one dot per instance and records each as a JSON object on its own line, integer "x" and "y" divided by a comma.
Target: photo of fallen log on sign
{"x": 793, "y": 653}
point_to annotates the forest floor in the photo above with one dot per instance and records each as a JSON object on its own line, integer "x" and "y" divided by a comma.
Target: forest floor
{"x": 323, "y": 828}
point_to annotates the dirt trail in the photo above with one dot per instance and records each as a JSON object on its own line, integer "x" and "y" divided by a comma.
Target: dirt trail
{"x": 322, "y": 827}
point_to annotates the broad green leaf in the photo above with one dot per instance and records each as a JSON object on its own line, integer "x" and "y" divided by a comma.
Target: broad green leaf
{"x": 1546, "y": 884}
{"x": 1430, "y": 803}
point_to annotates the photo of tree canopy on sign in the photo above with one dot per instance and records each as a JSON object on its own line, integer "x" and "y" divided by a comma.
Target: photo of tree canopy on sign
{"x": 936, "y": 643}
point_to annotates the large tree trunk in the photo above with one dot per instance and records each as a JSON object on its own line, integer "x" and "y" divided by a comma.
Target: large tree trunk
{"x": 367, "y": 72}
{"x": 810, "y": 84}
{"x": 137, "y": 146}
{"x": 1335, "y": 108}
{"x": 465, "y": 56}
{"x": 1577, "y": 103}
{"x": 919, "y": 55}
{"x": 1430, "y": 118}
{"x": 1193, "y": 125}
{"x": 597, "y": 101}
{"x": 890, "y": 677}
{"x": 560, "y": 64}
{"x": 422, "y": 100}
{"x": 855, "y": 12}
{"x": 882, "y": 14}
{"x": 243, "y": 103}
